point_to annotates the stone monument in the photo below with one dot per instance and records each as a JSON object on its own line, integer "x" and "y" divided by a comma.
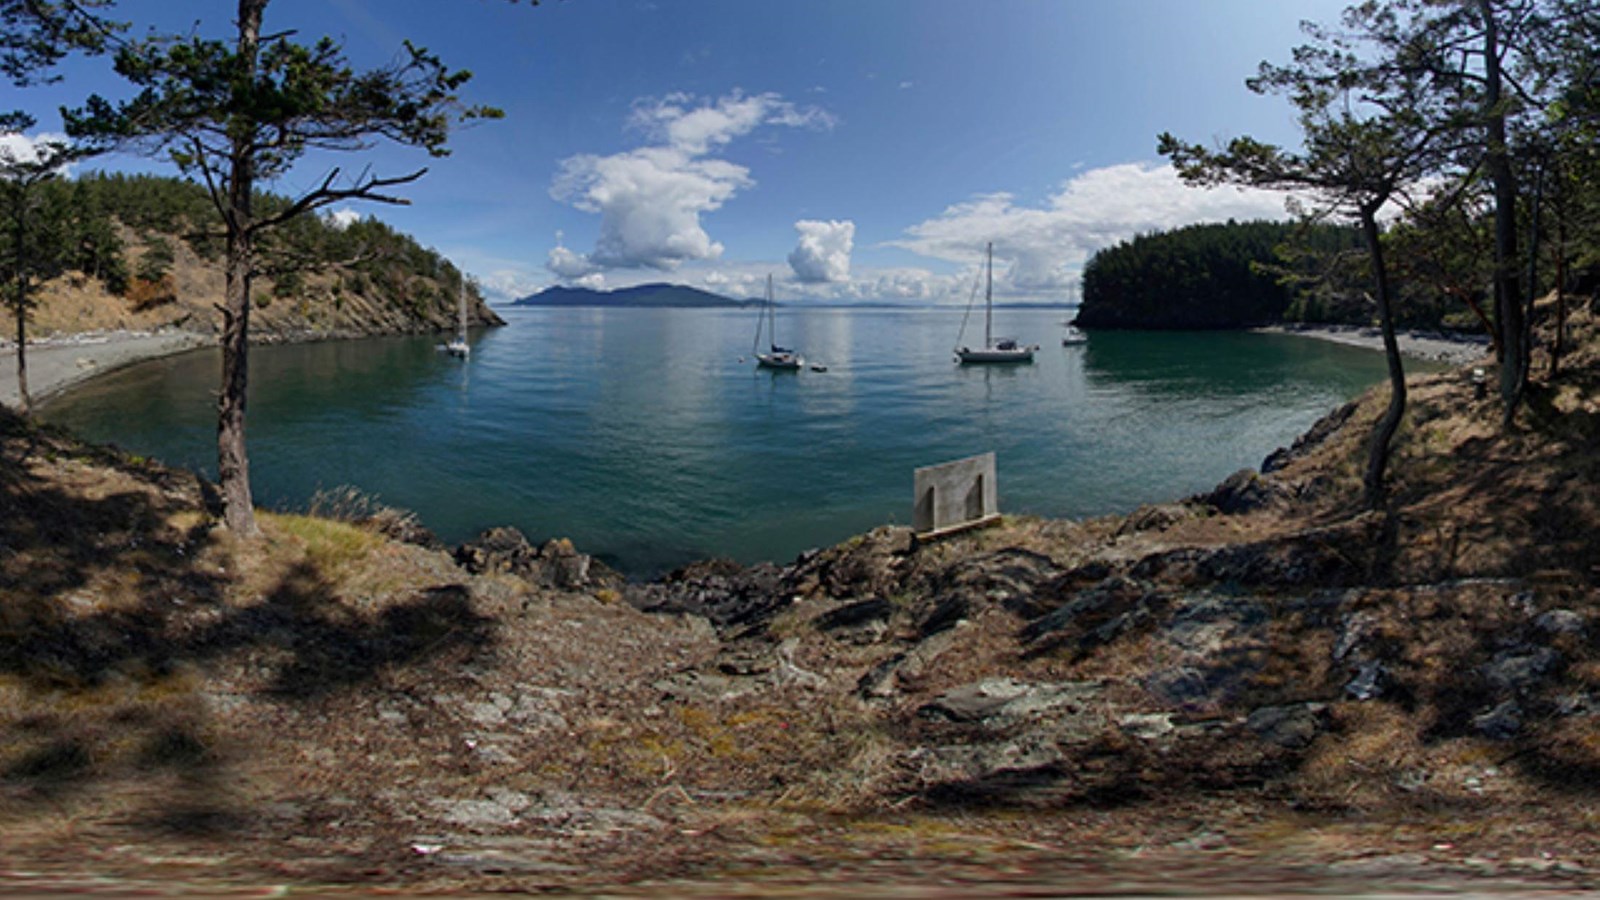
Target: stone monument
{"x": 955, "y": 496}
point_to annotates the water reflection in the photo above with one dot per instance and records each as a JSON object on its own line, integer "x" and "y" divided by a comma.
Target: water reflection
{"x": 641, "y": 435}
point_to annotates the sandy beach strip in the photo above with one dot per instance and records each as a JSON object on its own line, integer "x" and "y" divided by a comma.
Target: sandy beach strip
{"x": 55, "y": 364}
{"x": 1450, "y": 349}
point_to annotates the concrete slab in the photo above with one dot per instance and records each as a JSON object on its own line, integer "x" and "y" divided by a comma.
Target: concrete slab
{"x": 954, "y": 496}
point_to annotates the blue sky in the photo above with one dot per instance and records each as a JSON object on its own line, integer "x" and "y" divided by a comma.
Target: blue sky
{"x": 856, "y": 149}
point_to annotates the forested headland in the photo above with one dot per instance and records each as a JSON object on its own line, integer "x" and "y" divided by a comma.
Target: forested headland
{"x": 1242, "y": 274}
{"x": 145, "y": 252}
{"x": 1212, "y": 276}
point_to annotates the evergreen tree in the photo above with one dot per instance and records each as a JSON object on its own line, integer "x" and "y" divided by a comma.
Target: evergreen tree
{"x": 35, "y": 35}
{"x": 1490, "y": 87}
{"x": 1367, "y": 141}
{"x": 32, "y": 244}
{"x": 238, "y": 110}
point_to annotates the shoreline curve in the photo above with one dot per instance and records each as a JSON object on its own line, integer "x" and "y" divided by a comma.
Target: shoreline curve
{"x": 58, "y": 363}
{"x": 1439, "y": 347}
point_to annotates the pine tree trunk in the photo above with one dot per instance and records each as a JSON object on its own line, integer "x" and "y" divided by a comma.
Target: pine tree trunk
{"x": 1507, "y": 286}
{"x": 233, "y": 465}
{"x": 1560, "y": 345}
{"x": 24, "y": 403}
{"x": 1383, "y": 434}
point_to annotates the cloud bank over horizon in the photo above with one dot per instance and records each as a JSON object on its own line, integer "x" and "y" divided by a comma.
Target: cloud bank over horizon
{"x": 1040, "y": 249}
{"x": 1045, "y": 247}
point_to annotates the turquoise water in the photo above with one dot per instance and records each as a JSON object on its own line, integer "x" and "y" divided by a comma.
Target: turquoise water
{"x": 642, "y": 436}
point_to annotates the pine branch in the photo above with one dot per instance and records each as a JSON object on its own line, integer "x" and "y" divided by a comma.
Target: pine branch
{"x": 366, "y": 188}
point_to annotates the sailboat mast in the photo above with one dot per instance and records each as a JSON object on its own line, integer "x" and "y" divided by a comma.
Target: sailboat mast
{"x": 461, "y": 304}
{"x": 988, "y": 303}
{"x": 772, "y": 315}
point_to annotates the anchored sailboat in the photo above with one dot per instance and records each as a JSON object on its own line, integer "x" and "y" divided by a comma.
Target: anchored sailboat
{"x": 459, "y": 347}
{"x": 776, "y": 357}
{"x": 994, "y": 350}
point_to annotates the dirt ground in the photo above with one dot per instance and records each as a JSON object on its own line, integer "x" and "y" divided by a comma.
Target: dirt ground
{"x": 1269, "y": 690}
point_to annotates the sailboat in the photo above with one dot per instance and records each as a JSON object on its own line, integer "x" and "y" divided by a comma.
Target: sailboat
{"x": 459, "y": 347}
{"x": 776, "y": 357}
{"x": 1001, "y": 350}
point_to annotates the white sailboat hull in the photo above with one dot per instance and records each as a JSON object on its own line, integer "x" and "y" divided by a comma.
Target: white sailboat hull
{"x": 786, "y": 361}
{"x": 996, "y": 355}
{"x": 458, "y": 347}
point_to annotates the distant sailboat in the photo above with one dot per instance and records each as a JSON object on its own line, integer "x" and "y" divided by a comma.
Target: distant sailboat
{"x": 1001, "y": 350}
{"x": 1073, "y": 337}
{"x": 459, "y": 346}
{"x": 776, "y": 357}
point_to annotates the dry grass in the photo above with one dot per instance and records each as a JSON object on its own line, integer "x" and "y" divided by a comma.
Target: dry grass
{"x": 330, "y": 686}
{"x": 329, "y": 545}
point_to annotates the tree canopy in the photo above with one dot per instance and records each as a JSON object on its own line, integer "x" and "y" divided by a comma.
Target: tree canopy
{"x": 232, "y": 111}
{"x": 35, "y": 35}
{"x": 1209, "y": 276}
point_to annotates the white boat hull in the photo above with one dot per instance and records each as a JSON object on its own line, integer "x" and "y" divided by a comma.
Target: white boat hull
{"x": 785, "y": 361}
{"x": 996, "y": 355}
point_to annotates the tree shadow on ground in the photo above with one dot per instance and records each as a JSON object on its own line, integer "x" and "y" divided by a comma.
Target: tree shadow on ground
{"x": 111, "y": 633}
{"x": 324, "y": 646}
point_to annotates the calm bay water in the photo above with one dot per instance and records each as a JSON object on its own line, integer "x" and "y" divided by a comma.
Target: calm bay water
{"x": 640, "y": 434}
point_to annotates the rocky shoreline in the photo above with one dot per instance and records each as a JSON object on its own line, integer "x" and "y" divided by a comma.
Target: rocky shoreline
{"x": 1267, "y": 686}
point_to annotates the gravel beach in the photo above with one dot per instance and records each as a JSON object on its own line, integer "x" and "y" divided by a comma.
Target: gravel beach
{"x": 1452, "y": 349}
{"x": 55, "y": 364}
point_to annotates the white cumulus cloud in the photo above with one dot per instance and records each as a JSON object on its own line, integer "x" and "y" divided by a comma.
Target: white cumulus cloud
{"x": 509, "y": 284}
{"x": 650, "y": 199}
{"x": 698, "y": 126}
{"x": 823, "y": 254}
{"x": 650, "y": 202}
{"x": 20, "y": 148}
{"x": 567, "y": 264}
{"x": 342, "y": 218}
{"x": 1041, "y": 249}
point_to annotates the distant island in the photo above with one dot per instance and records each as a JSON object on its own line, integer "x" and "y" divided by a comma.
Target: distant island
{"x": 643, "y": 295}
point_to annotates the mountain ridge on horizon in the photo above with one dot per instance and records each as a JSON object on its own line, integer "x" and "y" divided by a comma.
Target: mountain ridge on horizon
{"x": 654, "y": 294}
